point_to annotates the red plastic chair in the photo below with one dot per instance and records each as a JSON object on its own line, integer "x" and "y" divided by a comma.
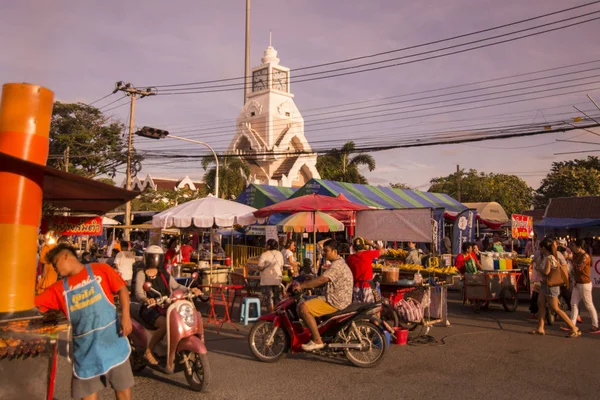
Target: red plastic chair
{"x": 242, "y": 290}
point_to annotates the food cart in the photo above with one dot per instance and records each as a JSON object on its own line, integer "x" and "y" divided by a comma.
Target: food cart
{"x": 28, "y": 340}
{"x": 486, "y": 286}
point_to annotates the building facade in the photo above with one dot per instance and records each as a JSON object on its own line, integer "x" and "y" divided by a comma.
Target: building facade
{"x": 270, "y": 129}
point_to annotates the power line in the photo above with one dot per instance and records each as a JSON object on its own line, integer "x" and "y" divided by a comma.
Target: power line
{"x": 100, "y": 99}
{"x": 379, "y": 67}
{"x": 396, "y": 50}
{"x": 112, "y": 102}
{"x": 359, "y": 118}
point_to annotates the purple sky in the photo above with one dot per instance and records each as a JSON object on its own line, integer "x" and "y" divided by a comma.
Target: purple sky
{"x": 80, "y": 49}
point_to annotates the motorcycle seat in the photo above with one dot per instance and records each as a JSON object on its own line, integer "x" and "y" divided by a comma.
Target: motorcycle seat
{"x": 353, "y": 307}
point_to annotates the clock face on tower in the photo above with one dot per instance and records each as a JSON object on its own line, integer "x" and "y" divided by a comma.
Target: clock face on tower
{"x": 259, "y": 80}
{"x": 280, "y": 81}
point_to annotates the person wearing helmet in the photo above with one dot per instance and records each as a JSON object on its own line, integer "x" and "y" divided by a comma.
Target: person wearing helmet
{"x": 164, "y": 284}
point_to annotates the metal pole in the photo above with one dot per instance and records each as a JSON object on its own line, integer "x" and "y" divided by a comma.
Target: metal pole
{"x": 247, "y": 60}
{"x": 128, "y": 172}
{"x": 458, "y": 183}
{"x": 214, "y": 154}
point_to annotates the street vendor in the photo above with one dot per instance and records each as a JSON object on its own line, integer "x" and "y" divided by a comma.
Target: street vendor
{"x": 413, "y": 256}
{"x": 218, "y": 250}
{"x": 361, "y": 266}
{"x": 289, "y": 258}
{"x": 497, "y": 246}
{"x": 101, "y": 347}
{"x": 465, "y": 261}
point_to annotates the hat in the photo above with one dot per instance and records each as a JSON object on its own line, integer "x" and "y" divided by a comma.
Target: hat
{"x": 562, "y": 242}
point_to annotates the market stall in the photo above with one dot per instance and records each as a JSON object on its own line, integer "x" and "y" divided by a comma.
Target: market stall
{"x": 415, "y": 225}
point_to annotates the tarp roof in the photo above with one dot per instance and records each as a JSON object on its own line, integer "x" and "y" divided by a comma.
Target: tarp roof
{"x": 259, "y": 196}
{"x": 489, "y": 211}
{"x": 380, "y": 197}
{"x": 71, "y": 191}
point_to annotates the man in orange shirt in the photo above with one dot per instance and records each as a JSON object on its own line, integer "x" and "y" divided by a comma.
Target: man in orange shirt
{"x": 101, "y": 348}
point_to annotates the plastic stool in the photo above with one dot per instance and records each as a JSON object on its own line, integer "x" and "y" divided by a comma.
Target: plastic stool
{"x": 245, "y": 310}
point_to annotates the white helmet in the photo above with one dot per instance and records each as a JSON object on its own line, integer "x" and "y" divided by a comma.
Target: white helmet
{"x": 154, "y": 257}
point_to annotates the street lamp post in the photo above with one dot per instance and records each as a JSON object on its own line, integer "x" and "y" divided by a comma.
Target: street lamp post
{"x": 153, "y": 133}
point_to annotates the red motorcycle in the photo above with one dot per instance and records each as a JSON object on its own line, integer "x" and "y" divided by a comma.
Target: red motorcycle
{"x": 183, "y": 346}
{"x": 353, "y": 331}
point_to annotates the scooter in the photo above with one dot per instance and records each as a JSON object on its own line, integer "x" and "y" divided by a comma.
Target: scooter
{"x": 353, "y": 331}
{"x": 183, "y": 346}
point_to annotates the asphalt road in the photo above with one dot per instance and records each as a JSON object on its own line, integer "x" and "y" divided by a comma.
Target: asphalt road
{"x": 480, "y": 356}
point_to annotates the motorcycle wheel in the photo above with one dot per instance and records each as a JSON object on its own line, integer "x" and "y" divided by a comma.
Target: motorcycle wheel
{"x": 388, "y": 314}
{"x": 137, "y": 362}
{"x": 372, "y": 339}
{"x": 199, "y": 377}
{"x": 260, "y": 349}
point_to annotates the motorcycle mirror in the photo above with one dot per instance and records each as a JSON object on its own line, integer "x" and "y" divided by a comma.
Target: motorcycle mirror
{"x": 195, "y": 276}
{"x": 147, "y": 286}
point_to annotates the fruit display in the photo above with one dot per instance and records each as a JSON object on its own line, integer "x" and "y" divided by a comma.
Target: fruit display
{"x": 524, "y": 260}
{"x": 395, "y": 254}
{"x": 420, "y": 268}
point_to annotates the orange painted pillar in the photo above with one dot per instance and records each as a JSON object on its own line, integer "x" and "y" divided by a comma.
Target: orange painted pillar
{"x": 25, "y": 114}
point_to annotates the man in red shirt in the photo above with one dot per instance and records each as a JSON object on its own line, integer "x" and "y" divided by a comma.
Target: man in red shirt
{"x": 186, "y": 251}
{"x": 85, "y": 296}
{"x": 361, "y": 265}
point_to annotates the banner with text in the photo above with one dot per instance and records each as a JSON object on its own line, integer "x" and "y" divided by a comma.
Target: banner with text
{"x": 522, "y": 226}
{"x": 463, "y": 230}
{"x": 595, "y": 272}
{"x": 68, "y": 226}
{"x": 438, "y": 230}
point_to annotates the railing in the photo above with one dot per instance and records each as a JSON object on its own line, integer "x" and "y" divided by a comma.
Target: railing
{"x": 242, "y": 253}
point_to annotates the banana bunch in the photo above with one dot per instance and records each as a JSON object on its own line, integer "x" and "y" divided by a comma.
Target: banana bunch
{"x": 396, "y": 253}
{"x": 524, "y": 260}
{"x": 414, "y": 268}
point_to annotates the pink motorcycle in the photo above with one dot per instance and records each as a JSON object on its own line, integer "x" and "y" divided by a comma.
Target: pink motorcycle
{"x": 182, "y": 348}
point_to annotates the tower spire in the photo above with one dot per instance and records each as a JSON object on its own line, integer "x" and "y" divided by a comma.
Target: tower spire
{"x": 270, "y": 39}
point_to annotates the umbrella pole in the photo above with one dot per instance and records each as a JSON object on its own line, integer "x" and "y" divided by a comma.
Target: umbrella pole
{"x": 211, "y": 261}
{"x": 314, "y": 241}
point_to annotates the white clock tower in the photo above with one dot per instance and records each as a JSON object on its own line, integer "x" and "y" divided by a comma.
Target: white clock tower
{"x": 270, "y": 130}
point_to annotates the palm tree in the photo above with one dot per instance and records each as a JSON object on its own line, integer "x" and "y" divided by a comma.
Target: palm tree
{"x": 233, "y": 176}
{"x": 338, "y": 165}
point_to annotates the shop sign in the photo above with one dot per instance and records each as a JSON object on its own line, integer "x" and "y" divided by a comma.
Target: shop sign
{"x": 595, "y": 272}
{"x": 463, "y": 230}
{"x": 73, "y": 226}
{"x": 522, "y": 226}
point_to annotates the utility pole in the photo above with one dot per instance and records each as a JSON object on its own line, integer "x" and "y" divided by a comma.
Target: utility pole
{"x": 458, "y": 176}
{"x": 132, "y": 92}
{"x": 247, "y": 66}
{"x": 66, "y": 158}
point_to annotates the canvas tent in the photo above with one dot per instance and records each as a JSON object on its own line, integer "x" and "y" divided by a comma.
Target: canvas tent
{"x": 259, "y": 196}
{"x": 490, "y": 213}
{"x": 381, "y": 197}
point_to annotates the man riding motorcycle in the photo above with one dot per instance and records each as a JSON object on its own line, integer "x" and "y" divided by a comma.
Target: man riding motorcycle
{"x": 163, "y": 283}
{"x": 338, "y": 293}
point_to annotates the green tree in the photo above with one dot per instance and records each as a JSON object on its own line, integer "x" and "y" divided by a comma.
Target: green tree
{"x": 400, "y": 185}
{"x": 570, "y": 179}
{"x": 108, "y": 181}
{"x": 510, "y": 191}
{"x": 339, "y": 165}
{"x": 233, "y": 176}
{"x": 162, "y": 199}
{"x": 93, "y": 143}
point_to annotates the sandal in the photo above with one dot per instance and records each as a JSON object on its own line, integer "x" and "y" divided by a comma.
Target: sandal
{"x": 574, "y": 334}
{"x": 148, "y": 356}
{"x": 536, "y": 332}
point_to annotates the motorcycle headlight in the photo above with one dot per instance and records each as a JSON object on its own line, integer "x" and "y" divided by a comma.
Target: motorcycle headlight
{"x": 188, "y": 314}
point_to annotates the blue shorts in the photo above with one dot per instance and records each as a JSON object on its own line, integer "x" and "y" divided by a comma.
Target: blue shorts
{"x": 550, "y": 291}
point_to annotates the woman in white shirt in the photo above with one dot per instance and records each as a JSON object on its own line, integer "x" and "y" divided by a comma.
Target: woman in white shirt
{"x": 270, "y": 265}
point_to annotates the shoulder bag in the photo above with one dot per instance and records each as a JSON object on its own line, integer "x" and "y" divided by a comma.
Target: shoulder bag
{"x": 557, "y": 276}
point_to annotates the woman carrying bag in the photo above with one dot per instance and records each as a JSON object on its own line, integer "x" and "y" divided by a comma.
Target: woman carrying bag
{"x": 552, "y": 272}
{"x": 270, "y": 264}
